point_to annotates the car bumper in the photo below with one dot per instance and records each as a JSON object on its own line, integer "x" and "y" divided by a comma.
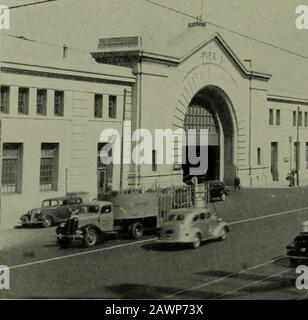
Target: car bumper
{"x": 70, "y": 236}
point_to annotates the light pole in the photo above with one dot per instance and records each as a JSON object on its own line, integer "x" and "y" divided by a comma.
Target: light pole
{"x": 297, "y": 147}
{"x": 290, "y": 177}
{"x": 250, "y": 106}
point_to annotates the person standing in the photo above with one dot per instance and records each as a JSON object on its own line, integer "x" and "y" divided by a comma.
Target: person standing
{"x": 237, "y": 183}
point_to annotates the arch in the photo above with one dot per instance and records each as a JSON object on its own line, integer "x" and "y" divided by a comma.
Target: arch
{"x": 215, "y": 100}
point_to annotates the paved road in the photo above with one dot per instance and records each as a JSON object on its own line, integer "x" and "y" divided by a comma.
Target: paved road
{"x": 249, "y": 264}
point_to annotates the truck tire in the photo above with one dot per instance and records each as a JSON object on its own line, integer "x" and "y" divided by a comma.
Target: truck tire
{"x": 136, "y": 230}
{"x": 90, "y": 238}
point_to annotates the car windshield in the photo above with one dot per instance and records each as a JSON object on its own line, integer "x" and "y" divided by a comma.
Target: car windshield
{"x": 176, "y": 217}
{"x": 89, "y": 209}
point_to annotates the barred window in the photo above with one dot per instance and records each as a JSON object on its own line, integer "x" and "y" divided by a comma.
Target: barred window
{"x": 300, "y": 118}
{"x": 294, "y": 119}
{"x": 41, "y": 102}
{"x": 59, "y": 103}
{"x": 271, "y": 117}
{"x": 5, "y": 99}
{"x": 112, "y": 111}
{"x": 23, "y": 100}
{"x": 277, "y": 117}
{"x": 98, "y": 106}
{"x": 306, "y": 119}
{"x": 49, "y": 166}
{"x": 12, "y": 168}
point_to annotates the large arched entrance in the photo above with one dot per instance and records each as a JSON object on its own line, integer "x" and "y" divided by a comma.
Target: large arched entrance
{"x": 211, "y": 109}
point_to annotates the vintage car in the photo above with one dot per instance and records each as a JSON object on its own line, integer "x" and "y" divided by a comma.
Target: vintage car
{"x": 298, "y": 250}
{"x": 217, "y": 190}
{"x": 192, "y": 226}
{"x": 53, "y": 211}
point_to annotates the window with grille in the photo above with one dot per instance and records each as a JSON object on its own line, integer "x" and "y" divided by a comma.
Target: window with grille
{"x": 23, "y": 100}
{"x": 277, "y": 117}
{"x": 59, "y": 103}
{"x": 306, "y": 119}
{"x": 98, "y": 106}
{"x": 294, "y": 119}
{"x": 112, "y": 110}
{"x": 49, "y": 166}
{"x": 271, "y": 117}
{"x": 5, "y": 99}
{"x": 11, "y": 168}
{"x": 41, "y": 102}
{"x": 300, "y": 118}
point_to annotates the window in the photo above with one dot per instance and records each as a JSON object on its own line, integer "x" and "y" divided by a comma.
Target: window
{"x": 5, "y": 99}
{"x": 196, "y": 218}
{"x": 300, "y": 118}
{"x": 306, "y": 119}
{"x": 59, "y": 103}
{"x": 154, "y": 161}
{"x": 259, "y": 156}
{"x": 41, "y": 102}
{"x": 98, "y": 106}
{"x": 294, "y": 119}
{"x": 306, "y": 155}
{"x": 12, "y": 168}
{"x": 271, "y": 117}
{"x": 277, "y": 117}
{"x": 49, "y": 166}
{"x": 112, "y": 110}
{"x": 23, "y": 100}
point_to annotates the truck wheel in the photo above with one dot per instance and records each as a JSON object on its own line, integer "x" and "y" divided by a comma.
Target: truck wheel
{"x": 197, "y": 241}
{"x": 90, "y": 238}
{"x": 47, "y": 222}
{"x": 136, "y": 230}
{"x": 223, "y": 234}
{"x": 64, "y": 242}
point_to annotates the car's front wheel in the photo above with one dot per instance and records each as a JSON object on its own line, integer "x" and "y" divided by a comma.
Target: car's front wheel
{"x": 90, "y": 238}
{"x": 196, "y": 241}
{"x": 47, "y": 222}
{"x": 223, "y": 197}
{"x": 223, "y": 234}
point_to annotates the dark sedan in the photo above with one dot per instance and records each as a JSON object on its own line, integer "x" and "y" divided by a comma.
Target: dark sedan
{"x": 53, "y": 211}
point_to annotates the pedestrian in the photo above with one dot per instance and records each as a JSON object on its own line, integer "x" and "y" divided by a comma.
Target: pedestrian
{"x": 237, "y": 183}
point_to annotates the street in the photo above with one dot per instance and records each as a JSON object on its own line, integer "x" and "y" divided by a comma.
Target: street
{"x": 249, "y": 264}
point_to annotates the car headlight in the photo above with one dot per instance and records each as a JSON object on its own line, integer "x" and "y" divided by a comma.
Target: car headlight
{"x": 62, "y": 225}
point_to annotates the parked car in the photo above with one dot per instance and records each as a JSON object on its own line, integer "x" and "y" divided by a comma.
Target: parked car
{"x": 217, "y": 190}
{"x": 217, "y": 187}
{"x": 53, "y": 211}
{"x": 298, "y": 250}
{"x": 192, "y": 226}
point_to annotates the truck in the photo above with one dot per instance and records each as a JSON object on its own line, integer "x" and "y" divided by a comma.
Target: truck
{"x": 120, "y": 213}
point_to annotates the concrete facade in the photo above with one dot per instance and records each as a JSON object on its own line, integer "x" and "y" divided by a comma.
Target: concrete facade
{"x": 154, "y": 89}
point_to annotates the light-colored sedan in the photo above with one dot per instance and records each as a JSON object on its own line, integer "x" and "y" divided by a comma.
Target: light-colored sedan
{"x": 192, "y": 226}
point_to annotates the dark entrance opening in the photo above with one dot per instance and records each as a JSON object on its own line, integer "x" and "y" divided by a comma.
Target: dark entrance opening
{"x": 213, "y": 169}
{"x": 210, "y": 109}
